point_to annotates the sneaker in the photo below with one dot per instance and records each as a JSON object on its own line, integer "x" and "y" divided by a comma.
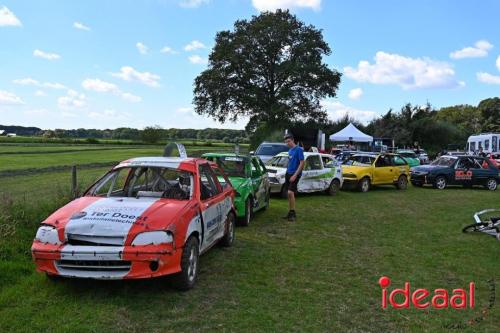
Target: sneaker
{"x": 287, "y": 217}
{"x": 292, "y": 216}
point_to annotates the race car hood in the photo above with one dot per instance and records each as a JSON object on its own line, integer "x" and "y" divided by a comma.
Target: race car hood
{"x": 115, "y": 217}
{"x": 428, "y": 168}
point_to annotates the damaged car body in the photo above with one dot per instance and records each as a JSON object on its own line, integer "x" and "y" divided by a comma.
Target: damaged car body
{"x": 147, "y": 217}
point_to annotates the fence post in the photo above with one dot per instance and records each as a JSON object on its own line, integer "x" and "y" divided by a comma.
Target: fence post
{"x": 74, "y": 183}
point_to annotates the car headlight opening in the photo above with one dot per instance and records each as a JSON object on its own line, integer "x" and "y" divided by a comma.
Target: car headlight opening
{"x": 153, "y": 238}
{"x": 47, "y": 234}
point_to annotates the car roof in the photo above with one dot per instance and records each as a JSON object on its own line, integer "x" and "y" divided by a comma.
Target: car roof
{"x": 226, "y": 155}
{"x": 162, "y": 162}
{"x": 273, "y": 143}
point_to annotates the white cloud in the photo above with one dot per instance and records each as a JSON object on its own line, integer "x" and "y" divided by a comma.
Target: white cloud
{"x": 37, "y": 112}
{"x": 109, "y": 114}
{"x": 9, "y": 98}
{"x": 72, "y": 100}
{"x": 409, "y": 73}
{"x": 194, "y": 45}
{"x": 498, "y": 63}
{"x": 337, "y": 110}
{"x": 7, "y": 18}
{"x": 192, "y": 3}
{"x": 168, "y": 50}
{"x": 143, "y": 49}
{"x": 131, "y": 98}
{"x": 45, "y": 55}
{"x": 355, "y": 93}
{"x": 272, "y": 5}
{"x": 32, "y": 82}
{"x": 128, "y": 73}
{"x": 480, "y": 49}
{"x": 80, "y": 26}
{"x": 196, "y": 59}
{"x": 107, "y": 87}
{"x": 488, "y": 78}
{"x": 40, "y": 93}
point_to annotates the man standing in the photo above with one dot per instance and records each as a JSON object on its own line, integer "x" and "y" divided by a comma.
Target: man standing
{"x": 293, "y": 173}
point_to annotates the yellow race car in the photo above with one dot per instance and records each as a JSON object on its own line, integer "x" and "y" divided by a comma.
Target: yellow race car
{"x": 363, "y": 170}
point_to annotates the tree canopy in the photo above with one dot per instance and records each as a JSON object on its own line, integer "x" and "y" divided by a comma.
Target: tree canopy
{"x": 269, "y": 69}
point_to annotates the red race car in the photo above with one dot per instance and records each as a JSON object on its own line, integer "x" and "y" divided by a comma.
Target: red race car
{"x": 147, "y": 217}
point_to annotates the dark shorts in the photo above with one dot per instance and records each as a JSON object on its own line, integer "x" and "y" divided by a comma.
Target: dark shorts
{"x": 291, "y": 186}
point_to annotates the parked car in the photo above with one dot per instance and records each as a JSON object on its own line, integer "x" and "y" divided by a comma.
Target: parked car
{"x": 267, "y": 150}
{"x": 457, "y": 170}
{"x": 248, "y": 176}
{"x": 321, "y": 173}
{"x": 362, "y": 171}
{"x": 410, "y": 156}
{"x": 422, "y": 156}
{"x": 147, "y": 217}
{"x": 345, "y": 154}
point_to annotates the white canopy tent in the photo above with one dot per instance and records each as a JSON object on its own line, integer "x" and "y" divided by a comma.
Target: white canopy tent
{"x": 351, "y": 133}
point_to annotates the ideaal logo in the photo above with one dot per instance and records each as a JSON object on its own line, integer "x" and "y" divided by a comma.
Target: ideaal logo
{"x": 422, "y": 298}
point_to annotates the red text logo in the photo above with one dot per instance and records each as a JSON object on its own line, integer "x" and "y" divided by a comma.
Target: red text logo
{"x": 421, "y": 298}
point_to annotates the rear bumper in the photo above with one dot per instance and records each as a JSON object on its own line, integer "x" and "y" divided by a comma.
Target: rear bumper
{"x": 106, "y": 262}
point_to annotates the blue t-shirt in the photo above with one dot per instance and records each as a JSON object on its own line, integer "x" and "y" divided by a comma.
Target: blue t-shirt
{"x": 296, "y": 155}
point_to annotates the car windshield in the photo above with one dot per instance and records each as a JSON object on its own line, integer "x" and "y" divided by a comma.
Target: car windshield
{"x": 278, "y": 161}
{"x": 360, "y": 160}
{"x": 232, "y": 165}
{"x": 270, "y": 150}
{"x": 444, "y": 161}
{"x": 144, "y": 181}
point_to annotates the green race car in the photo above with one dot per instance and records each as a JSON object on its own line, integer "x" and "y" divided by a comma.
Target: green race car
{"x": 248, "y": 176}
{"x": 410, "y": 156}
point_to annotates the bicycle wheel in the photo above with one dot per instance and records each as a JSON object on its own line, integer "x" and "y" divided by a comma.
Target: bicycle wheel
{"x": 476, "y": 227}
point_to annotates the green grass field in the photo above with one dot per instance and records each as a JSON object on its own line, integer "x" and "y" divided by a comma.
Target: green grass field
{"x": 316, "y": 275}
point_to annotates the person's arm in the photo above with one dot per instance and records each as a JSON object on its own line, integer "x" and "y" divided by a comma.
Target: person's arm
{"x": 299, "y": 169}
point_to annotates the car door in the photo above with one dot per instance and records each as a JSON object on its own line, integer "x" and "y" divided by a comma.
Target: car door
{"x": 462, "y": 174}
{"x": 383, "y": 170}
{"x": 215, "y": 204}
{"x": 401, "y": 167}
{"x": 264, "y": 185}
{"x": 311, "y": 175}
{"x": 480, "y": 171}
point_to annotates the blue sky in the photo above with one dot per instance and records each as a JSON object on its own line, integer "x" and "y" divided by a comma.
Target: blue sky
{"x": 107, "y": 64}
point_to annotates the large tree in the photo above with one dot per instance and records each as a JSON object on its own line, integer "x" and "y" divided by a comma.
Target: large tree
{"x": 269, "y": 69}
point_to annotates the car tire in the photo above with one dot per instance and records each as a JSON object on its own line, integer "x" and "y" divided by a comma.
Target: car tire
{"x": 491, "y": 184}
{"x": 245, "y": 220}
{"x": 417, "y": 184}
{"x": 284, "y": 192}
{"x": 440, "y": 182}
{"x": 402, "y": 183}
{"x": 228, "y": 238}
{"x": 334, "y": 187}
{"x": 186, "y": 278}
{"x": 364, "y": 185}
{"x": 268, "y": 197}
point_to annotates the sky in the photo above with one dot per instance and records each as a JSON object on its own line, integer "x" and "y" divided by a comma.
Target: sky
{"x": 125, "y": 63}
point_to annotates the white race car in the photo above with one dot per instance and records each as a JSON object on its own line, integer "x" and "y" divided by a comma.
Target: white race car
{"x": 321, "y": 173}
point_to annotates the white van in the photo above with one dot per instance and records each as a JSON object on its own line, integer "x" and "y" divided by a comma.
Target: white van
{"x": 490, "y": 143}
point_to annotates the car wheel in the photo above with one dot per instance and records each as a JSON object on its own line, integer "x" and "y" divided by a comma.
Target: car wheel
{"x": 417, "y": 184}
{"x": 364, "y": 185}
{"x": 186, "y": 278}
{"x": 268, "y": 196}
{"x": 228, "y": 238}
{"x": 402, "y": 183}
{"x": 284, "y": 192}
{"x": 334, "y": 187}
{"x": 440, "y": 183}
{"x": 491, "y": 184}
{"x": 245, "y": 220}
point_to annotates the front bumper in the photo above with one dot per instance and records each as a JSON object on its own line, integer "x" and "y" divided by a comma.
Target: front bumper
{"x": 275, "y": 185}
{"x": 349, "y": 183}
{"x": 420, "y": 178}
{"x": 106, "y": 262}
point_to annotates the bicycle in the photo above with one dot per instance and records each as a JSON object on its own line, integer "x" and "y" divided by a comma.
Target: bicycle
{"x": 490, "y": 227}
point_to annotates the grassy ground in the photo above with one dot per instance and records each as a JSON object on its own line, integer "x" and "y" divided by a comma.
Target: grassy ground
{"x": 317, "y": 275}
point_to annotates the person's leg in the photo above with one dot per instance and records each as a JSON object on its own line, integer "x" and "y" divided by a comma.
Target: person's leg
{"x": 291, "y": 200}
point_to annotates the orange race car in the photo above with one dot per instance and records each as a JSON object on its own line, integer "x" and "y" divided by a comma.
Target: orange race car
{"x": 147, "y": 217}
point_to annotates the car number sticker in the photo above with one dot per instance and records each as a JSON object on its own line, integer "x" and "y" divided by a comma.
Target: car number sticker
{"x": 463, "y": 175}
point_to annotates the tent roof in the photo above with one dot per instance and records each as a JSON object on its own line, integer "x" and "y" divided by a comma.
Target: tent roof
{"x": 351, "y": 133}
